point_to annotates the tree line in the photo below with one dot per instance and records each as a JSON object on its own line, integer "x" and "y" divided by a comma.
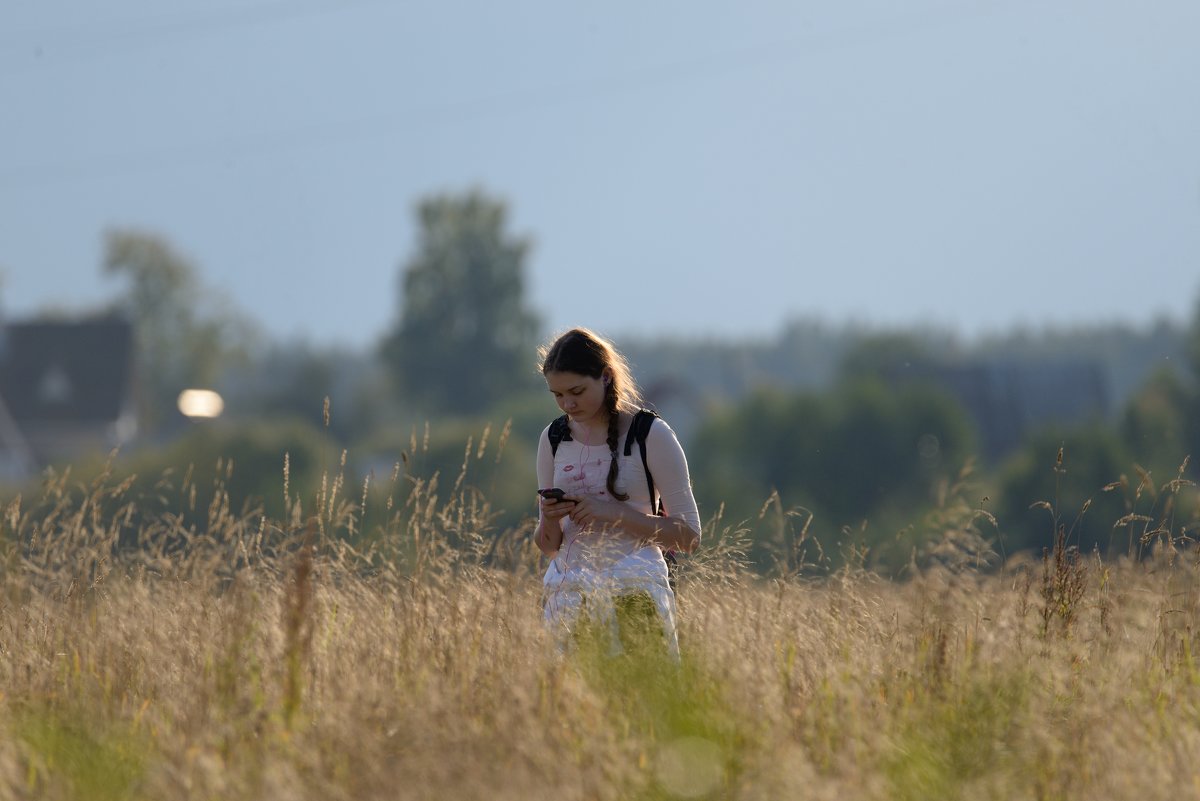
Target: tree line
{"x": 806, "y": 442}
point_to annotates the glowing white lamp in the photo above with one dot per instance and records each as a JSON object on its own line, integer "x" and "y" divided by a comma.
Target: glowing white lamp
{"x": 202, "y": 403}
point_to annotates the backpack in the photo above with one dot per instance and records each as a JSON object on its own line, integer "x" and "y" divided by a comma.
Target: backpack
{"x": 638, "y": 430}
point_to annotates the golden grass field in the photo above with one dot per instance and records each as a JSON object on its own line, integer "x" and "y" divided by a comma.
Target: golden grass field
{"x": 260, "y": 660}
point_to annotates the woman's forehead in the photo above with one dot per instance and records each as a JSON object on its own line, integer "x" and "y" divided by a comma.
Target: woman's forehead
{"x": 561, "y": 381}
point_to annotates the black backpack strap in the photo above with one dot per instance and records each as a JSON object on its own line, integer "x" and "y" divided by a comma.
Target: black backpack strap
{"x": 639, "y": 429}
{"x": 558, "y": 431}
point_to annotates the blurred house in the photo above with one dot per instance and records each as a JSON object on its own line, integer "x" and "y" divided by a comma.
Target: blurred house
{"x": 1007, "y": 401}
{"x": 679, "y": 403}
{"x": 66, "y": 391}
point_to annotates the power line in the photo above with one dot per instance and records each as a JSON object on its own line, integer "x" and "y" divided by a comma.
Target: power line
{"x": 458, "y": 112}
{"x": 73, "y": 43}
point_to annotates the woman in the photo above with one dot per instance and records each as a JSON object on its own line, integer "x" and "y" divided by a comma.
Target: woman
{"x": 604, "y": 538}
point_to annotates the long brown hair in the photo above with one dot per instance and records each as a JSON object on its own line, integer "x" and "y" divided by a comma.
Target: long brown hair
{"x": 584, "y": 352}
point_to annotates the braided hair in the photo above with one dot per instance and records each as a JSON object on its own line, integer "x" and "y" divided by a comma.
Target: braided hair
{"x": 583, "y": 352}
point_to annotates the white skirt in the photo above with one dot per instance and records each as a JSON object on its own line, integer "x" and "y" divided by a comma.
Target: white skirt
{"x": 567, "y": 592}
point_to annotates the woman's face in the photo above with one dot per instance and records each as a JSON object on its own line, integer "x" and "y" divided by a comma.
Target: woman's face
{"x": 580, "y": 396}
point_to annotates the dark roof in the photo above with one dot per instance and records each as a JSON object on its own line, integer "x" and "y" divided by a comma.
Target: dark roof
{"x": 67, "y": 371}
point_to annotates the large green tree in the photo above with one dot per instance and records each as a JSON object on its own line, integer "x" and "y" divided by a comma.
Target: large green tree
{"x": 185, "y": 335}
{"x": 465, "y": 338}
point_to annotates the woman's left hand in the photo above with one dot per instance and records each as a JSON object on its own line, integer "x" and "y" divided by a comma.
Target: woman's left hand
{"x": 595, "y": 512}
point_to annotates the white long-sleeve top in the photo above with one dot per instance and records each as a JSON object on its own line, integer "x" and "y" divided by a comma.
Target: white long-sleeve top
{"x": 599, "y": 562}
{"x": 582, "y": 470}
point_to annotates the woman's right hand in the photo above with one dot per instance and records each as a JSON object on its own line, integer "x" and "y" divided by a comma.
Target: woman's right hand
{"x": 549, "y": 532}
{"x": 556, "y": 510}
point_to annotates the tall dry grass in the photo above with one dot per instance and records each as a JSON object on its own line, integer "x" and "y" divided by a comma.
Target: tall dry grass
{"x": 208, "y": 654}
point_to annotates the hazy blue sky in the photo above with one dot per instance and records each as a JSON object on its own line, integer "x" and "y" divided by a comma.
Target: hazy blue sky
{"x": 683, "y": 168}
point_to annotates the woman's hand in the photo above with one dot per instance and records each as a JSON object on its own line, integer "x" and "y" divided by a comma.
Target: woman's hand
{"x": 595, "y": 512}
{"x": 549, "y": 533}
{"x": 556, "y": 510}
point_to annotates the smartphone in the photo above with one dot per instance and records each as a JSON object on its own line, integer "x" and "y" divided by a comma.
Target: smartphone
{"x": 554, "y": 493}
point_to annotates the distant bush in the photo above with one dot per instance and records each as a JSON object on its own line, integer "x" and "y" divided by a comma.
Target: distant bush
{"x": 866, "y": 454}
